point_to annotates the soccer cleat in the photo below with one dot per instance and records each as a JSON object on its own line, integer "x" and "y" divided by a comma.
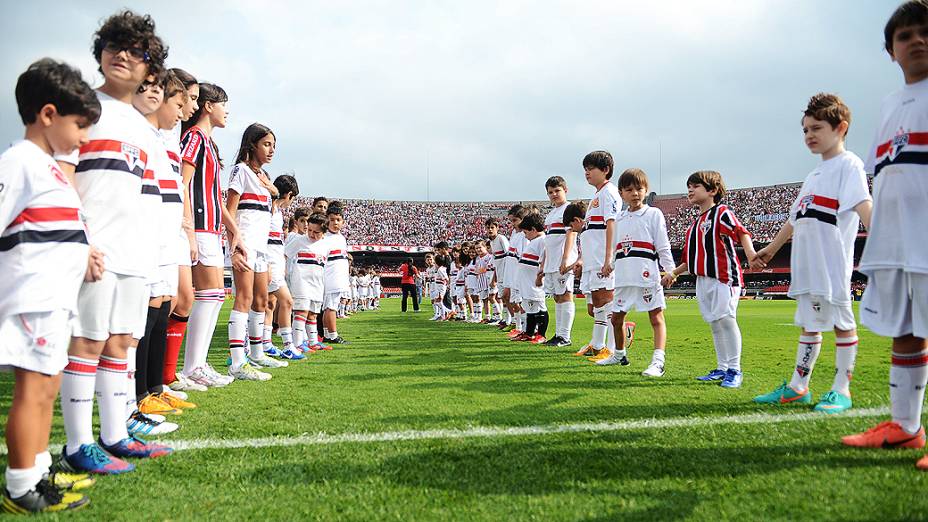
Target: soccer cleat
{"x": 733, "y": 379}
{"x": 612, "y": 359}
{"x": 514, "y": 333}
{"x": 247, "y": 372}
{"x": 70, "y": 481}
{"x": 154, "y": 404}
{"x": 784, "y": 394}
{"x": 600, "y": 354}
{"x": 714, "y": 375}
{"x": 336, "y": 340}
{"x": 217, "y": 376}
{"x": 179, "y": 394}
{"x": 586, "y": 350}
{"x": 141, "y": 424}
{"x": 886, "y": 435}
{"x": 44, "y": 498}
{"x": 562, "y": 343}
{"x": 509, "y": 328}
{"x": 833, "y": 402}
{"x": 90, "y": 458}
{"x": 521, "y": 337}
{"x": 922, "y": 463}
{"x": 554, "y": 341}
{"x": 629, "y": 333}
{"x": 538, "y": 339}
{"x": 267, "y": 362}
{"x": 320, "y": 347}
{"x": 272, "y": 351}
{"x": 292, "y": 354}
{"x": 184, "y": 384}
{"x": 655, "y": 369}
{"x": 134, "y": 447}
{"x": 175, "y": 402}
{"x": 201, "y": 378}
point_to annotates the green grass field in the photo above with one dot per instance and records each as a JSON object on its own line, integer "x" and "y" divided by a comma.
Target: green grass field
{"x": 441, "y": 383}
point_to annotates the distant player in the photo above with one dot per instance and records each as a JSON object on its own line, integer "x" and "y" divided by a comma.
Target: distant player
{"x": 511, "y": 293}
{"x": 530, "y": 276}
{"x": 499, "y": 248}
{"x": 709, "y": 253}
{"x": 823, "y": 224}
{"x": 306, "y": 256}
{"x": 337, "y": 282}
{"x": 560, "y": 246}
{"x": 895, "y": 258}
{"x": 642, "y": 248}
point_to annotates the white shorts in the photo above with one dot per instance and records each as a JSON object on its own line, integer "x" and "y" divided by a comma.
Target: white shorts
{"x": 641, "y": 298}
{"x": 278, "y": 276}
{"x": 183, "y": 250}
{"x": 36, "y": 341}
{"x": 116, "y": 304}
{"x": 716, "y": 299}
{"x": 307, "y": 305}
{"x": 815, "y": 314}
{"x": 556, "y": 283}
{"x": 515, "y": 296}
{"x": 457, "y": 292}
{"x": 437, "y": 291}
{"x": 483, "y": 295}
{"x": 533, "y": 306}
{"x": 257, "y": 261}
{"x": 592, "y": 281}
{"x": 492, "y": 291}
{"x": 166, "y": 283}
{"x": 895, "y": 304}
{"x": 209, "y": 250}
{"x": 331, "y": 300}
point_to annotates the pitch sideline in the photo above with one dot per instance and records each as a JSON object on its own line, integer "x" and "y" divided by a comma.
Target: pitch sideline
{"x": 513, "y": 431}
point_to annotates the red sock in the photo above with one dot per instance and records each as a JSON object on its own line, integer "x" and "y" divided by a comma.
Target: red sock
{"x": 177, "y": 325}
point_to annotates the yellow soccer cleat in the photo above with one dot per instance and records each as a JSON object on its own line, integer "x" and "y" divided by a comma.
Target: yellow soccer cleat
{"x": 175, "y": 402}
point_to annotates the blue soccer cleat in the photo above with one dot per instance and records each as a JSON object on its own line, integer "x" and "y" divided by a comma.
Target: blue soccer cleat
{"x": 90, "y": 458}
{"x": 733, "y": 379}
{"x": 713, "y": 376}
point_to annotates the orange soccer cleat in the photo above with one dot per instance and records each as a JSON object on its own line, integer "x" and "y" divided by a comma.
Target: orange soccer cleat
{"x": 888, "y": 435}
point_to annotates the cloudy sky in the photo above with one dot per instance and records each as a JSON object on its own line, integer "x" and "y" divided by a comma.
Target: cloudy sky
{"x": 485, "y": 100}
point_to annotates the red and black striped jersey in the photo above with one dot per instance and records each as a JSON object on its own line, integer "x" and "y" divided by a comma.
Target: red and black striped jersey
{"x": 709, "y": 249}
{"x": 205, "y": 188}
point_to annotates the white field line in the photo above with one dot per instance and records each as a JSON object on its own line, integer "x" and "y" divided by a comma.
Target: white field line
{"x": 514, "y": 431}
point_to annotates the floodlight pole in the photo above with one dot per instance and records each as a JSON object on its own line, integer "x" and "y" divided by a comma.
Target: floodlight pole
{"x": 660, "y": 167}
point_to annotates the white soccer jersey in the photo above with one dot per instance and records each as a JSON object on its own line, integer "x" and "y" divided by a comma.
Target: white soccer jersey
{"x": 108, "y": 178}
{"x": 516, "y": 244}
{"x": 172, "y": 146}
{"x": 528, "y": 267}
{"x": 254, "y": 207}
{"x": 602, "y": 208}
{"x": 898, "y": 237}
{"x": 457, "y": 275}
{"x": 441, "y": 276}
{"x": 486, "y": 269}
{"x": 337, "y": 269}
{"x": 307, "y": 260}
{"x": 430, "y": 274}
{"x": 555, "y": 236}
{"x": 641, "y": 241}
{"x": 43, "y": 247}
{"x": 171, "y": 208}
{"x": 824, "y": 228}
{"x": 471, "y": 277}
{"x": 499, "y": 247}
{"x": 275, "y": 243}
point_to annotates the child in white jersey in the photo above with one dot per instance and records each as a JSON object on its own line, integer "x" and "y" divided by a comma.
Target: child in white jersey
{"x": 337, "y": 283}
{"x": 560, "y": 248}
{"x": 511, "y": 294}
{"x": 641, "y": 241}
{"x": 306, "y": 256}
{"x": 248, "y": 199}
{"x": 484, "y": 272}
{"x": 431, "y": 270}
{"x": 823, "y": 224}
{"x": 895, "y": 258}
{"x": 530, "y": 275}
{"x": 46, "y": 258}
{"x": 280, "y": 302}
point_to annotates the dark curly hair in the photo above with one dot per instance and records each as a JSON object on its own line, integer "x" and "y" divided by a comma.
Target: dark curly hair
{"x": 129, "y": 29}
{"x": 50, "y": 82}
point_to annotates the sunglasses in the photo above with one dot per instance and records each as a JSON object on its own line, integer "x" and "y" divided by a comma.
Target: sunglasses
{"x": 135, "y": 53}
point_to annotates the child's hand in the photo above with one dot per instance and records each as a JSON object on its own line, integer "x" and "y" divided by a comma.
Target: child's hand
{"x": 760, "y": 259}
{"x": 606, "y": 271}
{"x": 668, "y": 280}
{"x": 240, "y": 260}
{"x": 94, "y": 265}
{"x": 538, "y": 278}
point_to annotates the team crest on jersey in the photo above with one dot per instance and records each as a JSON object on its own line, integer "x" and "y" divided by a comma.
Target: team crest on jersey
{"x": 133, "y": 155}
{"x": 626, "y": 245}
{"x": 647, "y": 296}
{"x": 804, "y": 203}
{"x": 594, "y": 203}
{"x": 817, "y": 306}
{"x": 646, "y": 274}
{"x": 900, "y": 140}
{"x": 705, "y": 226}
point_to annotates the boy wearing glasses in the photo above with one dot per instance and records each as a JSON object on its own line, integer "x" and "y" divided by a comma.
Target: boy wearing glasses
{"x": 109, "y": 174}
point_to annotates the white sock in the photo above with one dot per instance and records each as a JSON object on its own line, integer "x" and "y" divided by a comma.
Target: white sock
{"x": 312, "y": 332}
{"x": 238, "y": 325}
{"x": 658, "y": 356}
{"x": 718, "y": 341}
{"x": 845, "y": 356}
{"x": 325, "y": 331}
{"x": 907, "y": 378}
{"x": 131, "y": 402}
{"x": 21, "y": 481}
{"x": 256, "y": 333}
{"x": 731, "y": 335}
{"x": 600, "y": 326}
{"x": 43, "y": 461}
{"x": 497, "y": 310}
{"x": 268, "y": 333}
{"x": 509, "y": 317}
{"x": 77, "y": 386}
{"x": 200, "y": 327}
{"x": 286, "y": 335}
{"x": 332, "y": 334}
{"x": 564, "y": 317}
{"x": 299, "y": 328}
{"x": 806, "y": 355}
{"x": 111, "y": 397}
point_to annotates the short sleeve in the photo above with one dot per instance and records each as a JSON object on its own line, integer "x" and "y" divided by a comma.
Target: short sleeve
{"x": 731, "y": 226}
{"x": 72, "y": 159}
{"x": 854, "y": 188}
{"x": 14, "y": 192}
{"x": 237, "y": 180}
{"x": 292, "y": 247}
{"x": 192, "y": 147}
{"x": 610, "y": 205}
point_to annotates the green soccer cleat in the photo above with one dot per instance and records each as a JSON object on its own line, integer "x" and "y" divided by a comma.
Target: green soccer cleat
{"x": 784, "y": 394}
{"x": 833, "y": 402}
